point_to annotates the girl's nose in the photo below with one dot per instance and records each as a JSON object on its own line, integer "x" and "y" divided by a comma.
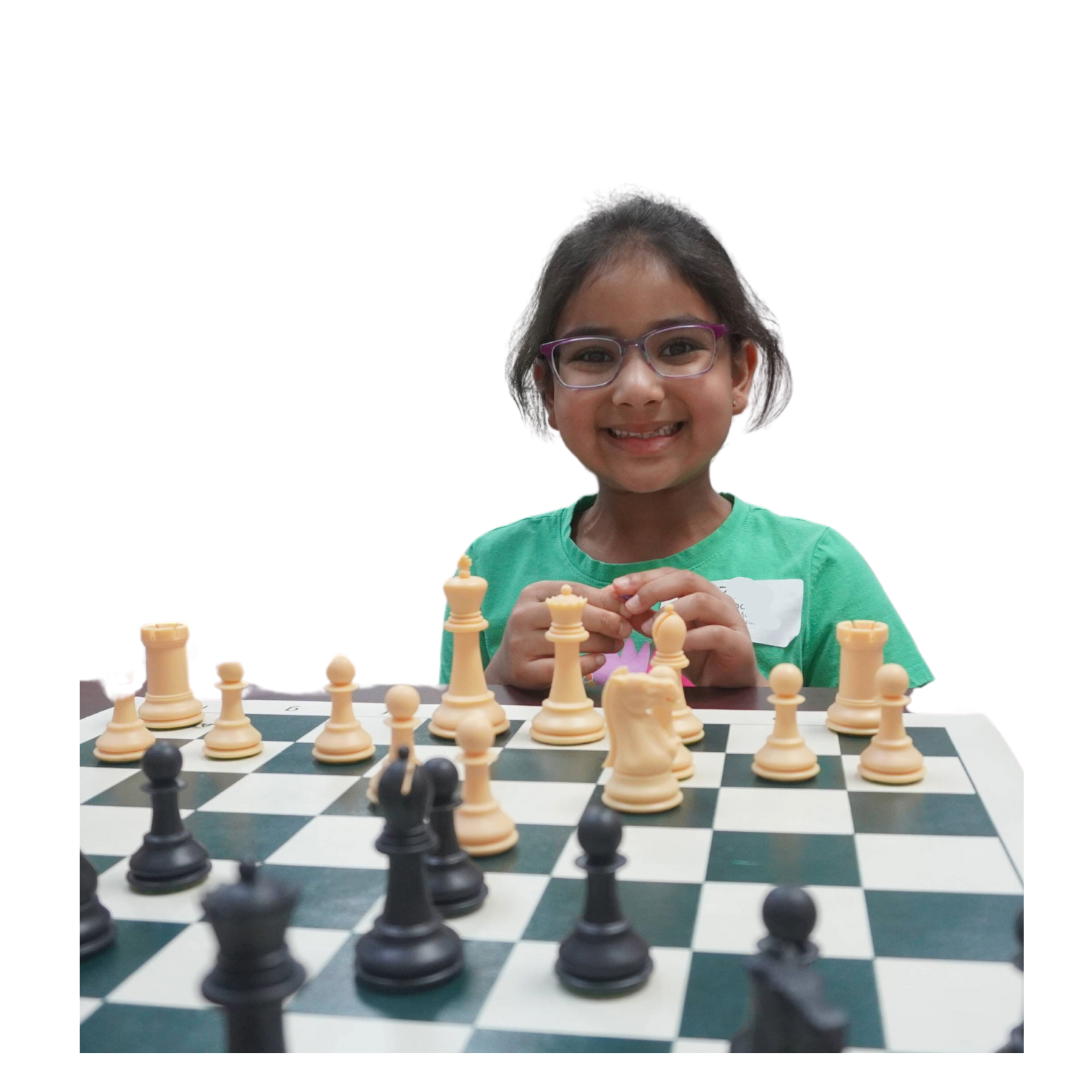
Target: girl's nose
{"x": 636, "y": 384}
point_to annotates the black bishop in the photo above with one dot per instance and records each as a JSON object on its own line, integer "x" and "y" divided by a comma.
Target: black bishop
{"x": 410, "y": 947}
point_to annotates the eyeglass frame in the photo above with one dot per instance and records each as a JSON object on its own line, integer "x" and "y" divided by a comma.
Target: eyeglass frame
{"x": 719, "y": 330}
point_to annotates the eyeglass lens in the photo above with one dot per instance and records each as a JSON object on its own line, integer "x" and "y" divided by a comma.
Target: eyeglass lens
{"x": 679, "y": 350}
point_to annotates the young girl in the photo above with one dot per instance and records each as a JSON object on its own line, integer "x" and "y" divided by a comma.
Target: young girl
{"x": 641, "y": 344}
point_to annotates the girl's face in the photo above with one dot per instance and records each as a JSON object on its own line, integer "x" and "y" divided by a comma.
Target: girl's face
{"x": 627, "y": 300}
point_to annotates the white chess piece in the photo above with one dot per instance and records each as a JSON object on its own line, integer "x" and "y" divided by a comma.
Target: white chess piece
{"x": 682, "y": 766}
{"x": 642, "y": 752}
{"x": 233, "y": 735}
{"x": 785, "y": 755}
{"x": 401, "y": 703}
{"x": 483, "y": 827}
{"x": 344, "y": 739}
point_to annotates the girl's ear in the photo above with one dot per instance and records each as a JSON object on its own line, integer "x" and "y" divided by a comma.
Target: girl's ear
{"x": 743, "y": 365}
{"x": 541, "y": 377}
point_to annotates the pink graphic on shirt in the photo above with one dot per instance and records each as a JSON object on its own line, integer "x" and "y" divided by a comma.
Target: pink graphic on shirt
{"x": 633, "y": 658}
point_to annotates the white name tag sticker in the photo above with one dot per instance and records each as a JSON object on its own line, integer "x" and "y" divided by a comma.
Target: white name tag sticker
{"x": 772, "y": 609}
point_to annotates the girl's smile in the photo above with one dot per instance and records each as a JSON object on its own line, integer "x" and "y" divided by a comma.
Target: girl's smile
{"x": 643, "y": 439}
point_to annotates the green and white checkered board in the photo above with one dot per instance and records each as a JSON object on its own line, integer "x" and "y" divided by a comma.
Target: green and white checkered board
{"x": 917, "y": 890}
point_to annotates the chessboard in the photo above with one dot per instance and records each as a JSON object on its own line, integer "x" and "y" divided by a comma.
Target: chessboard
{"x": 917, "y": 891}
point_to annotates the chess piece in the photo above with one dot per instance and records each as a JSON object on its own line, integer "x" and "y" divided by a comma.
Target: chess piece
{"x": 603, "y": 954}
{"x": 344, "y": 739}
{"x": 862, "y": 651}
{"x": 568, "y": 716}
{"x": 785, "y": 755}
{"x": 457, "y": 883}
{"x": 1015, "y": 1045}
{"x": 641, "y": 757}
{"x": 468, "y": 691}
{"x": 169, "y": 702}
{"x": 483, "y": 827}
{"x": 402, "y": 703}
{"x": 669, "y": 634}
{"x": 126, "y": 737}
{"x": 891, "y": 757}
{"x": 170, "y": 858}
{"x": 410, "y": 947}
{"x": 682, "y": 764}
{"x": 97, "y": 930}
{"x": 233, "y": 735}
{"x": 254, "y": 972}
{"x": 788, "y": 1010}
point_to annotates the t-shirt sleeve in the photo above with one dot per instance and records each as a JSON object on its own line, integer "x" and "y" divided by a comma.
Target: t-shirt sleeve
{"x": 842, "y": 586}
{"x": 446, "y": 655}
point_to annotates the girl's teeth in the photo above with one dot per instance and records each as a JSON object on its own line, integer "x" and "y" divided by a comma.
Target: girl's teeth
{"x": 669, "y": 430}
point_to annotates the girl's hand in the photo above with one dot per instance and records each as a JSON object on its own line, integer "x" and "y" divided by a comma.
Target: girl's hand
{"x": 718, "y": 643}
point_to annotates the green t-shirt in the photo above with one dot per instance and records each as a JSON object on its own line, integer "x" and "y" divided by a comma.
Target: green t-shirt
{"x": 793, "y": 581}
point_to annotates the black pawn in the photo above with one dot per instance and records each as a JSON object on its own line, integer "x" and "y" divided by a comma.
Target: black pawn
{"x": 96, "y": 927}
{"x": 603, "y": 954}
{"x": 457, "y": 883}
{"x": 788, "y": 1010}
{"x": 170, "y": 857}
{"x": 255, "y": 971}
{"x": 1015, "y": 1045}
{"x": 409, "y": 948}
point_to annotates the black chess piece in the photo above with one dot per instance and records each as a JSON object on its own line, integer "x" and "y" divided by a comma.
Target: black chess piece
{"x": 170, "y": 858}
{"x": 1015, "y": 1045}
{"x": 97, "y": 930}
{"x": 788, "y": 1010}
{"x": 410, "y": 947}
{"x": 457, "y": 883}
{"x": 254, "y": 972}
{"x": 603, "y": 954}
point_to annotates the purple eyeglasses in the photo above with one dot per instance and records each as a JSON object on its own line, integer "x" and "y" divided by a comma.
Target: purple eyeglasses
{"x": 548, "y": 350}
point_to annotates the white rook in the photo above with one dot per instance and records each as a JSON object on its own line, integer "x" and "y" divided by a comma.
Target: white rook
{"x": 856, "y": 710}
{"x": 169, "y": 701}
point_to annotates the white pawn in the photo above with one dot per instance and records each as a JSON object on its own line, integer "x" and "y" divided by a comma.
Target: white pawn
{"x": 483, "y": 827}
{"x": 785, "y": 755}
{"x": 234, "y": 735}
{"x": 126, "y": 738}
{"x": 344, "y": 739}
{"x": 401, "y": 703}
{"x": 891, "y": 757}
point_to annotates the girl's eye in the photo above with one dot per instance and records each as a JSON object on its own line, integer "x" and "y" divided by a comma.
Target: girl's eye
{"x": 674, "y": 350}
{"x": 590, "y": 355}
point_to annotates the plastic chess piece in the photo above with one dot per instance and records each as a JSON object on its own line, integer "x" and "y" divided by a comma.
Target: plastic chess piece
{"x": 1015, "y": 1045}
{"x": 568, "y": 716}
{"x": 891, "y": 757}
{"x": 169, "y": 702}
{"x": 126, "y": 738}
{"x": 97, "y": 930}
{"x": 170, "y": 858}
{"x": 483, "y": 827}
{"x": 641, "y": 780}
{"x": 457, "y": 883}
{"x": 862, "y": 651}
{"x": 233, "y": 735}
{"x": 343, "y": 740}
{"x": 669, "y": 636}
{"x": 254, "y": 972}
{"x": 682, "y": 765}
{"x": 785, "y": 755}
{"x": 401, "y": 703}
{"x": 788, "y": 1010}
{"x": 603, "y": 954}
{"x": 468, "y": 691}
{"x": 410, "y": 947}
